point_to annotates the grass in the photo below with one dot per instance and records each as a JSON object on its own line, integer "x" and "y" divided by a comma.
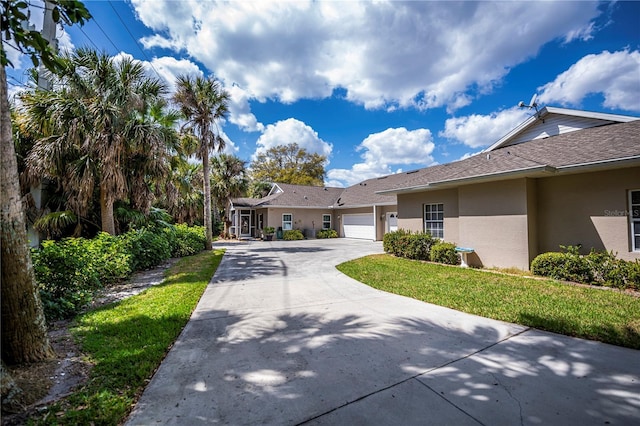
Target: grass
{"x": 126, "y": 342}
{"x": 590, "y": 313}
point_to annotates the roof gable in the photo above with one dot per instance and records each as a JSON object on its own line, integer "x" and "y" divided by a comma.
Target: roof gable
{"x": 552, "y": 121}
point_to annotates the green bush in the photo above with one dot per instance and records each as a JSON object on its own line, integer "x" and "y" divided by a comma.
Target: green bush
{"x": 409, "y": 245}
{"x": 147, "y": 249}
{"x": 600, "y": 268}
{"x": 187, "y": 240}
{"x": 292, "y": 234}
{"x": 110, "y": 258}
{"x": 442, "y": 252}
{"x": 327, "y": 233}
{"x": 67, "y": 276}
{"x": 390, "y": 240}
{"x": 69, "y": 272}
{"x": 562, "y": 266}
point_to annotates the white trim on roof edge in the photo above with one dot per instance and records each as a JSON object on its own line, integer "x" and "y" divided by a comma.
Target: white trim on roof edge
{"x": 529, "y": 122}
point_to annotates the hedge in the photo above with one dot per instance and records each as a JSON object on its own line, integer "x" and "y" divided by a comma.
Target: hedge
{"x": 70, "y": 271}
{"x": 596, "y": 268}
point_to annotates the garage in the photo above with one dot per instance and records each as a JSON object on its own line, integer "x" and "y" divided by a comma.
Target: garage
{"x": 358, "y": 226}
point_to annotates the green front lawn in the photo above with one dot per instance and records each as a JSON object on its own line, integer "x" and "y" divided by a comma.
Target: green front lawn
{"x": 590, "y": 313}
{"x": 126, "y": 342}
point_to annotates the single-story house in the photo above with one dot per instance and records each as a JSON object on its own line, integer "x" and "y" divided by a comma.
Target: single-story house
{"x": 563, "y": 177}
{"x": 354, "y": 212}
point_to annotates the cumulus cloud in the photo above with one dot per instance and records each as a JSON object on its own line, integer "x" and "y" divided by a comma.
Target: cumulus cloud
{"x": 614, "y": 75}
{"x": 384, "y": 151}
{"x": 290, "y": 131}
{"x": 170, "y": 68}
{"x": 240, "y": 111}
{"x": 384, "y": 54}
{"x": 479, "y": 131}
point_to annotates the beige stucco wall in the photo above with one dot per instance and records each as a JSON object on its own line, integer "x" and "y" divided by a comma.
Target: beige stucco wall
{"x": 491, "y": 218}
{"x": 411, "y": 211}
{"x": 589, "y": 209}
{"x": 493, "y": 221}
{"x": 303, "y": 219}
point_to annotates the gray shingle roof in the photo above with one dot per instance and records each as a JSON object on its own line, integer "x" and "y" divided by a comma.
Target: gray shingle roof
{"x": 603, "y": 144}
{"x": 594, "y": 145}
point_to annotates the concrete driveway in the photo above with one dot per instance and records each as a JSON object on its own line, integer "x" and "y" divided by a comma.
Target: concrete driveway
{"x": 281, "y": 337}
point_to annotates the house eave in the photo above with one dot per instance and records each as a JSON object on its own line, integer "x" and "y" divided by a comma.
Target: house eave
{"x": 537, "y": 171}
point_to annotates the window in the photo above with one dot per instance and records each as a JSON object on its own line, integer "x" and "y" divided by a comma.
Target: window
{"x": 634, "y": 218}
{"x": 287, "y": 221}
{"x": 434, "y": 220}
{"x": 326, "y": 221}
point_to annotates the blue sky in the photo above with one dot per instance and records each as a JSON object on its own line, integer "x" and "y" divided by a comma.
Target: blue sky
{"x": 378, "y": 87}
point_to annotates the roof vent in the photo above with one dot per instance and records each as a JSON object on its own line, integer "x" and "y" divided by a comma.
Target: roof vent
{"x": 488, "y": 156}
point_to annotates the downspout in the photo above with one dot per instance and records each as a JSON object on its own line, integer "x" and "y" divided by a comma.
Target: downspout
{"x": 375, "y": 223}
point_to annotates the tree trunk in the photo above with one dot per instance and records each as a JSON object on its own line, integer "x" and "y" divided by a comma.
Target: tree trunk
{"x": 24, "y": 330}
{"x": 106, "y": 211}
{"x": 207, "y": 199}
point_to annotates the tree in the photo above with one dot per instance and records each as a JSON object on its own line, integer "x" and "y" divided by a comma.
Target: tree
{"x": 289, "y": 164}
{"x": 228, "y": 179}
{"x": 203, "y": 102}
{"x": 24, "y": 332}
{"x": 184, "y": 198}
{"x": 99, "y": 133}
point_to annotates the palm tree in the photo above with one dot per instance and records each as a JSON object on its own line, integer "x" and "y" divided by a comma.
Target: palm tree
{"x": 228, "y": 179}
{"x": 184, "y": 198}
{"x": 98, "y": 133}
{"x": 203, "y": 102}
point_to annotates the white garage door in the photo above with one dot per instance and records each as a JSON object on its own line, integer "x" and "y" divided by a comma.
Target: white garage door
{"x": 358, "y": 226}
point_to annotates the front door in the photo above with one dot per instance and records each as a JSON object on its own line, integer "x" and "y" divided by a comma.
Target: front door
{"x": 392, "y": 222}
{"x": 245, "y": 224}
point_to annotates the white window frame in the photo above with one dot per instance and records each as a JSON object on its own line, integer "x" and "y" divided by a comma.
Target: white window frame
{"x": 287, "y": 225}
{"x": 325, "y": 227}
{"x": 634, "y": 220}
{"x": 434, "y": 217}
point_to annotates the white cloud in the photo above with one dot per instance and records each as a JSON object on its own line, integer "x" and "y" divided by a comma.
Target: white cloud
{"x": 479, "y": 131}
{"x": 384, "y": 151}
{"x": 385, "y": 54}
{"x": 614, "y": 75}
{"x": 290, "y": 131}
{"x": 170, "y": 68}
{"x": 240, "y": 111}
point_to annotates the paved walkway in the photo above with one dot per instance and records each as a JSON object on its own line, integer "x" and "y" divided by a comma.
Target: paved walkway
{"x": 281, "y": 337}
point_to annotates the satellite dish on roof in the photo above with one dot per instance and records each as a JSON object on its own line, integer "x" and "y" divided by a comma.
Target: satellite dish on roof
{"x": 533, "y": 103}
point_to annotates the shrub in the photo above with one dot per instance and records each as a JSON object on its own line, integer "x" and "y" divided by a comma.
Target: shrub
{"x": 292, "y": 234}
{"x": 409, "y": 245}
{"x": 562, "y": 266}
{"x": 110, "y": 258}
{"x": 327, "y": 233}
{"x": 188, "y": 240}
{"x": 442, "y": 252}
{"x": 66, "y": 276}
{"x": 390, "y": 241}
{"x": 147, "y": 249}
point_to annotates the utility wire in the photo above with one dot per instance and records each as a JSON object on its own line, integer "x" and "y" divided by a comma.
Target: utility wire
{"x": 134, "y": 40}
{"x": 106, "y": 35}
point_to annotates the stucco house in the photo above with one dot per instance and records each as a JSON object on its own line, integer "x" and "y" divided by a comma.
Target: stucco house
{"x": 563, "y": 177}
{"x": 358, "y": 211}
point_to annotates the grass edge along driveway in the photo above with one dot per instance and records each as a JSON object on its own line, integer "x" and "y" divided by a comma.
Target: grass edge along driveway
{"x": 126, "y": 341}
{"x": 579, "y": 311}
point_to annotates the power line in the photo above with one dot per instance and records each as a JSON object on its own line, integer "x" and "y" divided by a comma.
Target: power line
{"x": 106, "y": 35}
{"x": 134, "y": 39}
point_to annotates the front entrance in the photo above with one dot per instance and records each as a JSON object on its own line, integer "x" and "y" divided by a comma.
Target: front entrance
{"x": 245, "y": 223}
{"x": 392, "y": 222}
